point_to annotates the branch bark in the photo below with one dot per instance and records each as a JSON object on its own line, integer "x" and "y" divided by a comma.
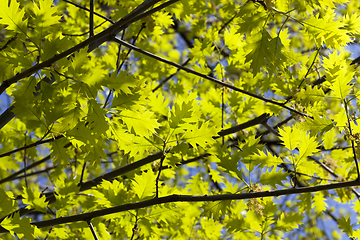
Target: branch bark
{"x": 188, "y": 198}
{"x": 94, "y": 41}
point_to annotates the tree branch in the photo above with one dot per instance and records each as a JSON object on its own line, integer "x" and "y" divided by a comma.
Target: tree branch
{"x": 88, "y": 221}
{"x": 189, "y": 198}
{"x": 13, "y": 176}
{"x": 86, "y": 9}
{"x": 31, "y": 145}
{"x": 137, "y": 14}
{"x": 188, "y": 70}
{"x": 50, "y": 197}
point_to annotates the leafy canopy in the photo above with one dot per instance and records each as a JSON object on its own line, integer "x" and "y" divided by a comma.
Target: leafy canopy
{"x": 179, "y": 119}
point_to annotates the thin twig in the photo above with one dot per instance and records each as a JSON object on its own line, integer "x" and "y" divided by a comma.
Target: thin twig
{"x": 84, "y": 33}
{"x": 37, "y": 143}
{"x": 86, "y": 9}
{"x": 158, "y": 176}
{"x": 94, "y": 41}
{"x": 14, "y": 175}
{"x": 171, "y": 76}
{"x": 134, "y": 229}
{"x": 228, "y": 22}
{"x": 208, "y": 77}
{"x": 326, "y": 168}
{"x": 48, "y": 233}
{"x": 119, "y": 66}
{"x": 352, "y": 141}
{"x": 34, "y": 173}
{"x": 88, "y": 221}
{"x": 8, "y": 42}
{"x": 275, "y": 127}
{"x": 24, "y": 160}
{"x": 82, "y": 174}
{"x": 270, "y": 129}
{"x": 307, "y": 73}
{"x": 134, "y": 42}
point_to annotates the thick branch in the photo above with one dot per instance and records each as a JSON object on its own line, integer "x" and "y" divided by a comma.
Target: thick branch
{"x": 242, "y": 126}
{"x": 189, "y": 198}
{"x": 95, "y": 41}
{"x": 50, "y": 197}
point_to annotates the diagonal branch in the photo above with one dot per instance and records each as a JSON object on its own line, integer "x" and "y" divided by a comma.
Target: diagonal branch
{"x": 37, "y": 143}
{"x": 137, "y": 14}
{"x": 14, "y": 175}
{"x": 188, "y": 70}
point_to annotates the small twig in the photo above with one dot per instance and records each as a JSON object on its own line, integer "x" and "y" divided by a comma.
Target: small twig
{"x": 158, "y": 176}
{"x": 352, "y": 141}
{"x": 47, "y": 235}
{"x": 228, "y": 22}
{"x": 8, "y": 42}
{"x": 107, "y": 98}
{"x": 88, "y": 221}
{"x": 82, "y": 174}
{"x": 117, "y": 70}
{"x": 134, "y": 42}
{"x": 13, "y": 176}
{"x": 171, "y": 76}
{"x": 31, "y": 145}
{"x": 326, "y": 168}
{"x": 334, "y": 148}
{"x": 216, "y": 184}
{"x": 307, "y": 73}
{"x": 208, "y": 77}
{"x": 134, "y": 229}
{"x": 310, "y": 176}
{"x": 118, "y": 65}
{"x": 270, "y": 129}
{"x": 86, "y": 9}
{"x": 24, "y": 160}
{"x": 275, "y": 127}
{"x": 82, "y": 34}
{"x": 222, "y": 98}
{"x": 34, "y": 173}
